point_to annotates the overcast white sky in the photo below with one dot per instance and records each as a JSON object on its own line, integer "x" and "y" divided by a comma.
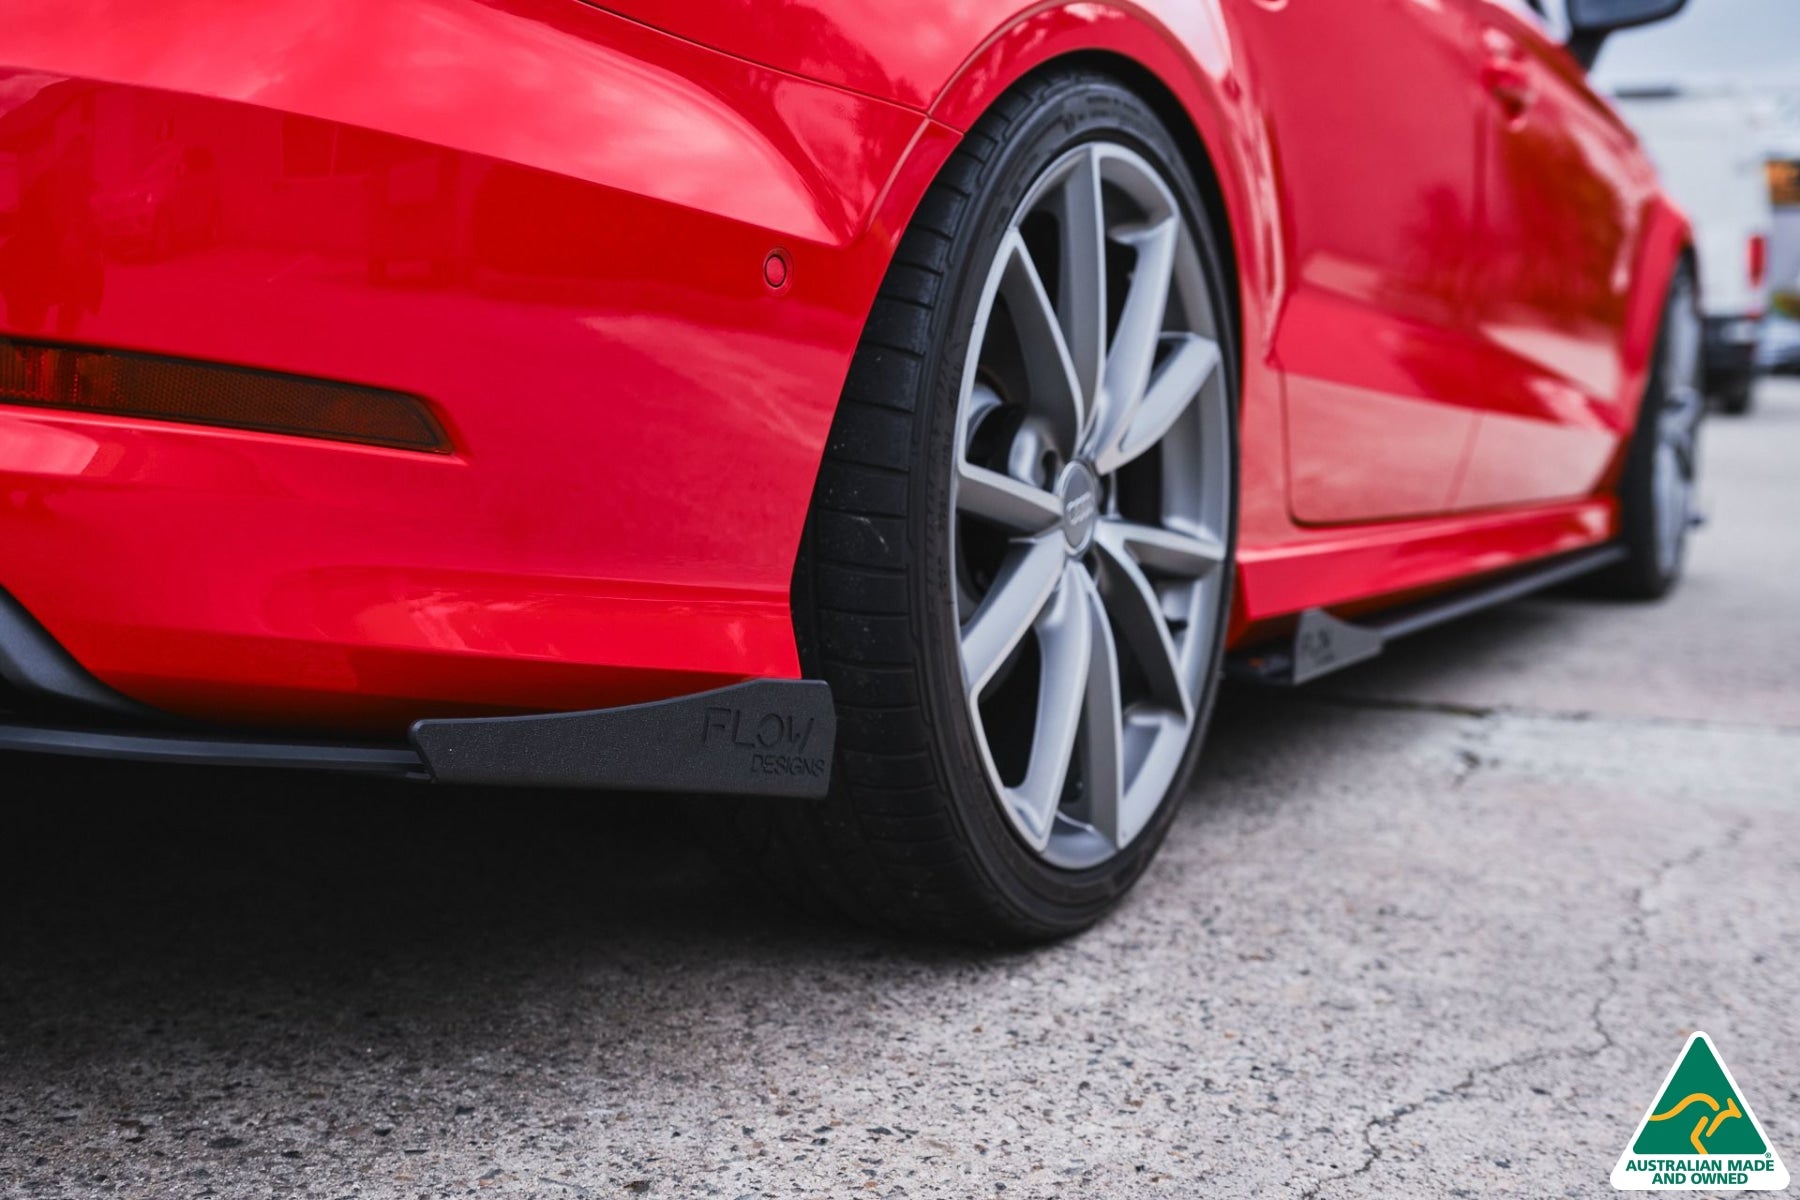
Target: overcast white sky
{"x": 1750, "y": 41}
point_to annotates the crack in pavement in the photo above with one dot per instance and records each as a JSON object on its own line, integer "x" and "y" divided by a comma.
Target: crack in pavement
{"x": 1632, "y": 930}
{"x": 1634, "y": 925}
{"x": 1471, "y": 756}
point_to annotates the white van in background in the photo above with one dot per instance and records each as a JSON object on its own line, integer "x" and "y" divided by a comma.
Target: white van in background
{"x": 1708, "y": 147}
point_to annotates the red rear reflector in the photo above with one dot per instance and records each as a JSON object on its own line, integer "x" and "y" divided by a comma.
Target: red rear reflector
{"x": 169, "y": 389}
{"x": 1759, "y": 259}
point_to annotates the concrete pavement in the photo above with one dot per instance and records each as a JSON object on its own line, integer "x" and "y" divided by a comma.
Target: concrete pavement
{"x": 1436, "y": 927}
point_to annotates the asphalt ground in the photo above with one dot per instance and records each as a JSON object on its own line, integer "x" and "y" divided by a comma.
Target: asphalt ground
{"x": 1435, "y": 927}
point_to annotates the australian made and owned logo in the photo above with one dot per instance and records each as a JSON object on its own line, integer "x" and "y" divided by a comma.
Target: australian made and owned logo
{"x": 1699, "y": 1134}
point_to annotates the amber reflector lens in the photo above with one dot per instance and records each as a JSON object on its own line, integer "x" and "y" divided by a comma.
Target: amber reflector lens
{"x": 169, "y": 389}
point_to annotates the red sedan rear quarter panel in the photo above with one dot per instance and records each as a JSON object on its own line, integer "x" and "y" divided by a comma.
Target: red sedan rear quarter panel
{"x": 551, "y": 224}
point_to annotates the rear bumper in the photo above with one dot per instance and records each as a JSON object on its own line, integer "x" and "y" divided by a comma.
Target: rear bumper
{"x": 499, "y": 221}
{"x": 764, "y": 737}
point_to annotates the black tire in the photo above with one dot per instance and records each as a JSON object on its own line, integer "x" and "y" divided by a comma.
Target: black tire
{"x": 912, "y": 836}
{"x": 1650, "y": 570}
{"x": 1736, "y": 396}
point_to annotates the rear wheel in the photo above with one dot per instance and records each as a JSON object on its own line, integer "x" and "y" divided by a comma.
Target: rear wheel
{"x": 1017, "y": 568}
{"x": 1656, "y": 493}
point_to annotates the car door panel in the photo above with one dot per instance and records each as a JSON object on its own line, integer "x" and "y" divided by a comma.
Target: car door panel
{"x": 1523, "y": 459}
{"x": 1335, "y": 433}
{"x": 1561, "y": 225}
{"x": 1378, "y": 207}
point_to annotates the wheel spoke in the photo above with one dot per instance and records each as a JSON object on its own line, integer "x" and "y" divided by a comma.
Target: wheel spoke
{"x": 1065, "y": 643}
{"x": 1137, "y": 609}
{"x": 1138, "y": 805}
{"x": 1102, "y": 731}
{"x": 1050, "y": 375}
{"x": 1025, "y": 583}
{"x": 1007, "y": 502}
{"x": 1139, "y": 332}
{"x": 1081, "y": 284}
{"x": 1167, "y": 551}
{"x": 1173, "y": 388}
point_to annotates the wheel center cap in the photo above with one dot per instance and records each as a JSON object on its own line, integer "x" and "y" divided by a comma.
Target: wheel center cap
{"x": 1079, "y": 490}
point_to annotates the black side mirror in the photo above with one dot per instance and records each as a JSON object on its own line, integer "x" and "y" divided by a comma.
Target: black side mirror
{"x": 1591, "y": 20}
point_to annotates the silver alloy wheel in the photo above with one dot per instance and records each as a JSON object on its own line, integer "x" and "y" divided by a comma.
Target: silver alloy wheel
{"x": 1677, "y": 428}
{"x": 1091, "y": 500}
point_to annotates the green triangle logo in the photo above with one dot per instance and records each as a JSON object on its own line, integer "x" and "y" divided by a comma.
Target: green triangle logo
{"x": 1699, "y": 1133}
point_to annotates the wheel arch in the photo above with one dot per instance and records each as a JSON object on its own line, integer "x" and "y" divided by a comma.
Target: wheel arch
{"x": 1186, "y": 78}
{"x": 1668, "y": 245}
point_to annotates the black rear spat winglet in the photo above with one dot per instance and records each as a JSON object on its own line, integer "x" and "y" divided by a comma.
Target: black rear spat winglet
{"x": 766, "y": 737}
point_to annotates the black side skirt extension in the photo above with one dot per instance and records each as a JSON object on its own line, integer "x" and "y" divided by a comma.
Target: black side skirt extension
{"x": 1323, "y": 643}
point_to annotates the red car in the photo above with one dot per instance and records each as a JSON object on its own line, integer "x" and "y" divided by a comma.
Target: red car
{"x": 897, "y": 417}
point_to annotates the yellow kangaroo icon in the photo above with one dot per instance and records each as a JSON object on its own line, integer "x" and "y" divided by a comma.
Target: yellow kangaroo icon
{"x": 1730, "y": 1110}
